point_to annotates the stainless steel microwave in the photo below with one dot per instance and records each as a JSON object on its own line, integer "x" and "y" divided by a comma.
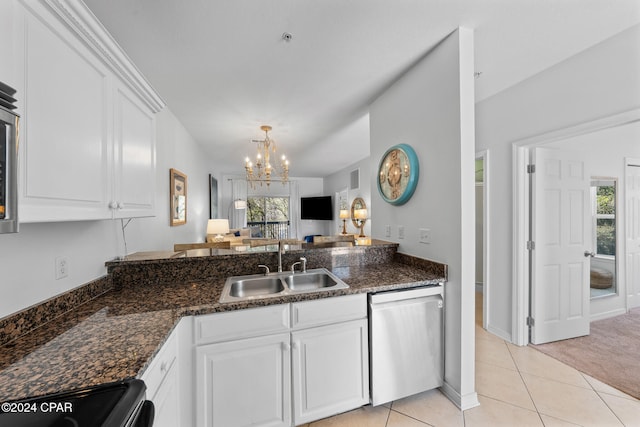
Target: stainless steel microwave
{"x": 9, "y": 122}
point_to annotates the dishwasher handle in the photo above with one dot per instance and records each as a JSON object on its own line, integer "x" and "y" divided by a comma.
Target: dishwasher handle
{"x": 406, "y": 294}
{"x": 390, "y": 305}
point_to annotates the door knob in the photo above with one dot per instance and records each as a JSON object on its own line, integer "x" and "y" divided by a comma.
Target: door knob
{"x": 591, "y": 254}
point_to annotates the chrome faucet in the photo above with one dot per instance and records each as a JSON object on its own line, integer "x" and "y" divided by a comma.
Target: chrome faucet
{"x": 302, "y": 261}
{"x": 266, "y": 269}
{"x": 280, "y": 252}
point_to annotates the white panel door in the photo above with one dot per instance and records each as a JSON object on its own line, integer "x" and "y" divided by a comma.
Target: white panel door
{"x": 561, "y": 232}
{"x": 632, "y": 190}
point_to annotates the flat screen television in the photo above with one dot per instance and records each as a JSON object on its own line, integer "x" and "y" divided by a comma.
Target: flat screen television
{"x": 316, "y": 208}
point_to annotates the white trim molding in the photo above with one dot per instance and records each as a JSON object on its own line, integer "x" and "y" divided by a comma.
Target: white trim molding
{"x": 463, "y": 402}
{"x": 79, "y": 19}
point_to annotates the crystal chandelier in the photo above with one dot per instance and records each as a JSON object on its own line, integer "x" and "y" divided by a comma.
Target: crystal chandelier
{"x": 263, "y": 170}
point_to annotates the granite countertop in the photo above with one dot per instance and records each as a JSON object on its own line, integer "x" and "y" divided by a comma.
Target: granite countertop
{"x": 114, "y": 336}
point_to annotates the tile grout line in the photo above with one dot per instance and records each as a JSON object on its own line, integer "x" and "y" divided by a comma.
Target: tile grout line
{"x": 386, "y": 424}
{"x": 515, "y": 362}
{"x": 406, "y": 415}
{"x": 600, "y": 397}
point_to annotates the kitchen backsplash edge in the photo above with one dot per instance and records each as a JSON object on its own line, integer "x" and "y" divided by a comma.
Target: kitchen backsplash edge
{"x": 22, "y": 322}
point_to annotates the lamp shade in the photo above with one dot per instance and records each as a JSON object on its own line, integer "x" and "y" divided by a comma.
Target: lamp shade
{"x": 344, "y": 213}
{"x": 218, "y": 226}
{"x": 360, "y": 213}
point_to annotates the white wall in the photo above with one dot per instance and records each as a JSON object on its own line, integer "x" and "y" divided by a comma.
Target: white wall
{"x": 431, "y": 108}
{"x": 340, "y": 181}
{"x": 27, "y": 260}
{"x": 605, "y": 153}
{"x": 596, "y": 83}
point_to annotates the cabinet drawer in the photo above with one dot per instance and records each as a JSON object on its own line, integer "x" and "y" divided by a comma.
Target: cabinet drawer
{"x": 234, "y": 325}
{"x": 329, "y": 310}
{"x": 160, "y": 366}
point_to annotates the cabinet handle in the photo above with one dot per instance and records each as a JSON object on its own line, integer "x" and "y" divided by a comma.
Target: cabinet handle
{"x": 120, "y": 205}
{"x": 296, "y": 345}
{"x": 286, "y": 346}
{"x": 113, "y": 205}
{"x": 163, "y": 367}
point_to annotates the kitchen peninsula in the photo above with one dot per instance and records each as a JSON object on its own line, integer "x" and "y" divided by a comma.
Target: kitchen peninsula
{"x": 115, "y": 335}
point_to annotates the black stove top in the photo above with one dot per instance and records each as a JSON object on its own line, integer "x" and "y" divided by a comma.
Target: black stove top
{"x": 108, "y": 405}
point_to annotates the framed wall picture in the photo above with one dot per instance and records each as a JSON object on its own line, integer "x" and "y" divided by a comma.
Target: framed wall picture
{"x": 178, "y": 197}
{"x": 213, "y": 197}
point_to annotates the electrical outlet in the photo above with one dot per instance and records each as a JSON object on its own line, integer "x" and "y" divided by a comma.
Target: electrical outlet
{"x": 62, "y": 267}
{"x": 425, "y": 235}
{"x": 387, "y": 230}
{"x": 401, "y": 232}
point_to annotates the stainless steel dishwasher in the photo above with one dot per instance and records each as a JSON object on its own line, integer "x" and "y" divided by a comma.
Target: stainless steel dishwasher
{"x": 406, "y": 339}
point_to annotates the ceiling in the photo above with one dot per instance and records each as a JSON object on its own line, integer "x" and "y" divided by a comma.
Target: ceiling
{"x": 224, "y": 68}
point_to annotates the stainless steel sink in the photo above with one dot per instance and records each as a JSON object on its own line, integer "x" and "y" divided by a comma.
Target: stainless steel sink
{"x": 262, "y": 285}
{"x": 308, "y": 281}
{"x": 257, "y": 286}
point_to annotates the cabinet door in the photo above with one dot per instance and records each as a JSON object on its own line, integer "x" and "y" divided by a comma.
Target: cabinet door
{"x": 161, "y": 378}
{"x": 64, "y": 141}
{"x": 167, "y": 401}
{"x": 6, "y": 35}
{"x": 330, "y": 370}
{"x": 135, "y": 157}
{"x": 244, "y": 383}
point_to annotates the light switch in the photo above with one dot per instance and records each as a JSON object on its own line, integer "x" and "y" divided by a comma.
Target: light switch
{"x": 387, "y": 230}
{"x": 401, "y": 232}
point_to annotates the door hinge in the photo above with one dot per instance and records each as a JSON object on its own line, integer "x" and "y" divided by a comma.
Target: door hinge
{"x": 531, "y": 321}
{"x": 531, "y": 245}
{"x": 531, "y": 168}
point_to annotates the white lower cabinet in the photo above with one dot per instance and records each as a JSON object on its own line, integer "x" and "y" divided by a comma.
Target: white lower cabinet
{"x": 245, "y": 382}
{"x": 330, "y": 370}
{"x": 162, "y": 380}
{"x": 166, "y": 402}
{"x": 284, "y": 365}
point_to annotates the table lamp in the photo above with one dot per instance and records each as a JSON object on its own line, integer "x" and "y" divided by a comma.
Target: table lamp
{"x": 360, "y": 216}
{"x": 344, "y": 215}
{"x": 218, "y": 228}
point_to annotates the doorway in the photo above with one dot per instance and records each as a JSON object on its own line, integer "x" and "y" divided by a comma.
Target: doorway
{"x": 619, "y": 130}
{"x": 482, "y": 233}
{"x": 632, "y": 224}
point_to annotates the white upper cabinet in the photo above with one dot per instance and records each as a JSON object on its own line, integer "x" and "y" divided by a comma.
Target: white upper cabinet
{"x": 64, "y": 140}
{"x": 135, "y": 157}
{"x": 87, "y": 143}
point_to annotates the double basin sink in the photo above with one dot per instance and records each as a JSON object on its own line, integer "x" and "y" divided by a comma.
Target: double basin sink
{"x": 256, "y": 286}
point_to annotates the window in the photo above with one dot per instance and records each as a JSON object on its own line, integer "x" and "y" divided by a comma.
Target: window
{"x": 268, "y": 216}
{"x": 604, "y": 209}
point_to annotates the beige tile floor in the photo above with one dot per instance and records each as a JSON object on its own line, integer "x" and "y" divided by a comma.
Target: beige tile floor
{"x": 517, "y": 386}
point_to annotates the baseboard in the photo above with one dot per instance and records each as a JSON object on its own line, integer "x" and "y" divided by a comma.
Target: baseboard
{"x": 465, "y": 402}
{"x": 607, "y": 314}
{"x": 499, "y": 333}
